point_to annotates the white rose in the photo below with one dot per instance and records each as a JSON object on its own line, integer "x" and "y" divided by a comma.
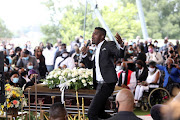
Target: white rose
{"x": 59, "y": 72}
{"x": 86, "y": 76}
{"x": 90, "y": 83}
{"x": 60, "y": 77}
{"x": 55, "y": 75}
{"x": 85, "y": 84}
{"x": 83, "y": 81}
{"x": 73, "y": 75}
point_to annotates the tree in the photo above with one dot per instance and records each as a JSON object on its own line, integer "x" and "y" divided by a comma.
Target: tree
{"x": 4, "y": 31}
{"x": 122, "y": 19}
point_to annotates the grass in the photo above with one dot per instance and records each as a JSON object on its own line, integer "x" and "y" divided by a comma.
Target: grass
{"x": 138, "y": 111}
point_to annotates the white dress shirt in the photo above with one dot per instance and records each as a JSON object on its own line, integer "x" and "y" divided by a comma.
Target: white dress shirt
{"x": 69, "y": 62}
{"x": 140, "y": 71}
{"x": 98, "y": 72}
{"x": 49, "y": 56}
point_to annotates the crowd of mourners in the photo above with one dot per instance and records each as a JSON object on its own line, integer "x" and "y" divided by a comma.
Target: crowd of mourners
{"x": 144, "y": 63}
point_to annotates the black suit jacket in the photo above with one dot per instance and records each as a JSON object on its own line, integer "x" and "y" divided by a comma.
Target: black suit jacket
{"x": 108, "y": 52}
{"x": 21, "y": 81}
{"x": 143, "y": 75}
{"x": 124, "y": 115}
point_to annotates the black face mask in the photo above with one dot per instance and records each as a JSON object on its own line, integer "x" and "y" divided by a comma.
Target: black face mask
{"x": 48, "y": 47}
{"x": 171, "y": 51}
{"x": 12, "y": 55}
{"x": 24, "y": 73}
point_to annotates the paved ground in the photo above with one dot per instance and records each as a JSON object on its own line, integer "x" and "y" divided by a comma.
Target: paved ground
{"x": 145, "y": 117}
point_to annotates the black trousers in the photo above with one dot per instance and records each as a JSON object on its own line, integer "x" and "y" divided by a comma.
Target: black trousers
{"x": 97, "y": 106}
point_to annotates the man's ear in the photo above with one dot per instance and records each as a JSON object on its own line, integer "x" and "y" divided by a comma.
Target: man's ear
{"x": 102, "y": 37}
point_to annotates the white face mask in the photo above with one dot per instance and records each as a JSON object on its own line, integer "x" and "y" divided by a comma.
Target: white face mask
{"x": 155, "y": 44}
{"x": 151, "y": 69}
{"x": 64, "y": 55}
{"x": 118, "y": 68}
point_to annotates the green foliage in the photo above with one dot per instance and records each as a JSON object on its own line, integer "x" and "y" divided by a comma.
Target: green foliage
{"x": 51, "y": 33}
{"x": 162, "y": 18}
{"x": 122, "y": 19}
{"x": 4, "y": 31}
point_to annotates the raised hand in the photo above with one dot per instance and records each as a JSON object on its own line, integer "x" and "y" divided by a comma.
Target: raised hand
{"x": 119, "y": 39}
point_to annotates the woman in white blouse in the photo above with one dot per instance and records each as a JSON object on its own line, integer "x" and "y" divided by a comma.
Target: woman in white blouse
{"x": 153, "y": 77}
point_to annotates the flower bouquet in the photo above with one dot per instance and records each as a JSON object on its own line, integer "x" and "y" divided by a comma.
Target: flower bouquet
{"x": 14, "y": 98}
{"x": 71, "y": 78}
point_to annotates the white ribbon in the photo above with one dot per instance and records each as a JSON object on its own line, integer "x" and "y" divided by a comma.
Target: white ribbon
{"x": 62, "y": 87}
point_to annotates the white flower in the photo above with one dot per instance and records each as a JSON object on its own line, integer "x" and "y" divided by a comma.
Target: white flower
{"x": 55, "y": 75}
{"x": 90, "y": 83}
{"x": 83, "y": 81}
{"x": 86, "y": 76}
{"x": 60, "y": 77}
{"x": 74, "y": 80}
{"x": 69, "y": 74}
{"x": 59, "y": 72}
{"x": 85, "y": 84}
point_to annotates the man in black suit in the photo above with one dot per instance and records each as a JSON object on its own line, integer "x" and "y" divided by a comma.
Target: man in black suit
{"x": 125, "y": 106}
{"x": 104, "y": 73}
{"x": 141, "y": 72}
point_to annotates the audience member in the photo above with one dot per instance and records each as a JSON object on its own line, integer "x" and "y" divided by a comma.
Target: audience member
{"x": 141, "y": 71}
{"x": 57, "y": 112}
{"x": 127, "y": 78}
{"x": 152, "y": 78}
{"x": 153, "y": 56}
{"x": 125, "y": 106}
{"x": 25, "y": 58}
{"x": 49, "y": 54}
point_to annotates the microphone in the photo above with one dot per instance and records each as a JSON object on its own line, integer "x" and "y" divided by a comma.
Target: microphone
{"x": 88, "y": 43}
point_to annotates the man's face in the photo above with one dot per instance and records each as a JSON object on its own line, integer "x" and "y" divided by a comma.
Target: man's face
{"x": 97, "y": 37}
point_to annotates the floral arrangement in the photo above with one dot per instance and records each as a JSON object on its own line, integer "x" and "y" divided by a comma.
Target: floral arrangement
{"x": 14, "y": 97}
{"x": 71, "y": 78}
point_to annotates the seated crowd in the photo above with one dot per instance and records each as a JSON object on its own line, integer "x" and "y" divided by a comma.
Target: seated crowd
{"x": 144, "y": 63}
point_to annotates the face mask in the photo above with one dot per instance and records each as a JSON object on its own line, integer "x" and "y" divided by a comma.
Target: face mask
{"x": 25, "y": 58}
{"x": 91, "y": 51}
{"x": 171, "y": 51}
{"x": 130, "y": 51}
{"x": 151, "y": 69}
{"x": 118, "y": 68}
{"x": 15, "y": 80}
{"x": 155, "y": 44}
{"x": 64, "y": 55}
{"x": 5, "y": 68}
{"x": 78, "y": 55}
{"x": 48, "y": 47}
{"x": 30, "y": 67}
{"x": 150, "y": 50}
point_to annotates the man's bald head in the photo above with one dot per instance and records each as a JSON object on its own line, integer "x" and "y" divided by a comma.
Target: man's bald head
{"x": 125, "y": 99}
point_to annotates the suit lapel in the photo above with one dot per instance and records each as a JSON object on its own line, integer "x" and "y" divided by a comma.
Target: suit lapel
{"x": 105, "y": 42}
